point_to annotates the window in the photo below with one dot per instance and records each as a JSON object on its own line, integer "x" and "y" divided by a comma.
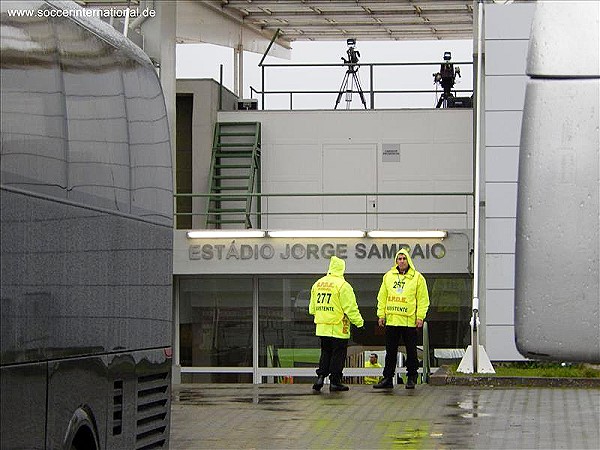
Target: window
{"x": 286, "y": 330}
{"x": 449, "y": 311}
{"x": 216, "y": 322}
{"x": 216, "y": 326}
{"x": 149, "y": 146}
{"x": 98, "y": 161}
{"x": 33, "y": 117}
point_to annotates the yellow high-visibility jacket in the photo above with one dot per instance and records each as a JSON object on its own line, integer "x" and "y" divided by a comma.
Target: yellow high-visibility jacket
{"x": 333, "y": 303}
{"x": 371, "y": 380}
{"x": 402, "y": 299}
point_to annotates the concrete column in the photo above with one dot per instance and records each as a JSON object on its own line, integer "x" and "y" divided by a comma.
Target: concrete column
{"x": 240, "y": 89}
{"x": 236, "y": 65}
{"x": 159, "y": 43}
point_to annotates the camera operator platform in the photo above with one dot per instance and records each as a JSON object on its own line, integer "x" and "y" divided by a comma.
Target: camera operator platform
{"x": 351, "y": 80}
{"x": 446, "y": 77}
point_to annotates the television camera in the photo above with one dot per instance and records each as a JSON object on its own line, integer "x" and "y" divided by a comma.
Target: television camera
{"x": 352, "y": 53}
{"x": 351, "y": 80}
{"x": 446, "y": 78}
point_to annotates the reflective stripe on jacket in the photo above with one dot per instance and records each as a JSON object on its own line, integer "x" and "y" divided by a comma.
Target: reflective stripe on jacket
{"x": 333, "y": 303}
{"x": 402, "y": 299}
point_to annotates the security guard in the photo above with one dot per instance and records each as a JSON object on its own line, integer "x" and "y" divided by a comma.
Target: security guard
{"x": 372, "y": 363}
{"x": 333, "y": 304}
{"x": 402, "y": 303}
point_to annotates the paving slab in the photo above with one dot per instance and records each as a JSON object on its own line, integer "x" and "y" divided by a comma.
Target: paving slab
{"x": 292, "y": 416}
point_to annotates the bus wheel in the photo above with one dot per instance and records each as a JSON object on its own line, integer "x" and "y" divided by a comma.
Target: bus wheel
{"x": 82, "y": 433}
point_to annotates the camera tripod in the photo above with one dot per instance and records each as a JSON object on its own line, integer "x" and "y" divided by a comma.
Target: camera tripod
{"x": 351, "y": 77}
{"x": 443, "y": 101}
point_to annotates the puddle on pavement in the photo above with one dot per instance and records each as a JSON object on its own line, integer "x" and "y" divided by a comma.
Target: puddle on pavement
{"x": 409, "y": 436}
{"x": 469, "y": 409}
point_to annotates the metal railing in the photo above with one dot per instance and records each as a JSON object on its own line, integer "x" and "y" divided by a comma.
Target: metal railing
{"x": 309, "y": 372}
{"x": 416, "y": 70}
{"x": 369, "y": 206}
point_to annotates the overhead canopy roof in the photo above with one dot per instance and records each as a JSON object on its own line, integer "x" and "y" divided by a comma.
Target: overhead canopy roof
{"x": 221, "y": 21}
{"x": 312, "y": 20}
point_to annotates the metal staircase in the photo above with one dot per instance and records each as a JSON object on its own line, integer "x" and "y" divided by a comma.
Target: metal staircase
{"x": 234, "y": 175}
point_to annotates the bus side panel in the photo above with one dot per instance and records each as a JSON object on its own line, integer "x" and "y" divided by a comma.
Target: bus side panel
{"x": 78, "y": 282}
{"x": 72, "y": 384}
{"x": 138, "y": 400}
{"x": 127, "y": 399}
{"x": 86, "y": 214}
{"x": 23, "y": 406}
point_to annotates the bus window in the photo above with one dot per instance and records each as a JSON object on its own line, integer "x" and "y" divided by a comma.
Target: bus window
{"x": 98, "y": 153}
{"x": 33, "y": 129}
{"x": 151, "y": 179}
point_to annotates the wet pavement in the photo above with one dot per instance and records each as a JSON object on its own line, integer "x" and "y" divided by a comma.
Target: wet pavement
{"x": 279, "y": 416}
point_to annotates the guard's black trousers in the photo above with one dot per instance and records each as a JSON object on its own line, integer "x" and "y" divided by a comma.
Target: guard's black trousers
{"x": 333, "y": 358}
{"x": 392, "y": 339}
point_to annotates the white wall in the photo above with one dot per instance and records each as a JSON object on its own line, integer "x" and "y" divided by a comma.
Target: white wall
{"x": 507, "y": 28}
{"x": 342, "y": 151}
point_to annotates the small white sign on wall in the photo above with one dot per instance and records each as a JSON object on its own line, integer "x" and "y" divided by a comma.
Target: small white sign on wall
{"x": 390, "y": 152}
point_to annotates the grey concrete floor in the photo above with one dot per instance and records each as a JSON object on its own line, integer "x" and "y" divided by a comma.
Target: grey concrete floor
{"x": 291, "y": 416}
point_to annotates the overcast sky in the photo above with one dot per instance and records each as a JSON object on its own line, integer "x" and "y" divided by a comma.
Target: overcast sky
{"x": 203, "y": 60}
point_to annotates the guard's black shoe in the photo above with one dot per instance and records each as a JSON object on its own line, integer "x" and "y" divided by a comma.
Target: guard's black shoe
{"x": 319, "y": 384}
{"x": 411, "y": 380}
{"x": 385, "y": 383}
{"x": 338, "y": 387}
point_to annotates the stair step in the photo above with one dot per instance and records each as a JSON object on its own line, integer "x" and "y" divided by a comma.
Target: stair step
{"x": 228, "y": 199}
{"x": 230, "y": 188}
{"x": 231, "y": 177}
{"x": 225, "y": 221}
{"x": 232, "y": 166}
{"x": 237, "y": 124}
{"x": 235, "y": 144}
{"x": 227, "y": 210}
{"x": 236, "y": 154}
{"x": 238, "y": 133}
